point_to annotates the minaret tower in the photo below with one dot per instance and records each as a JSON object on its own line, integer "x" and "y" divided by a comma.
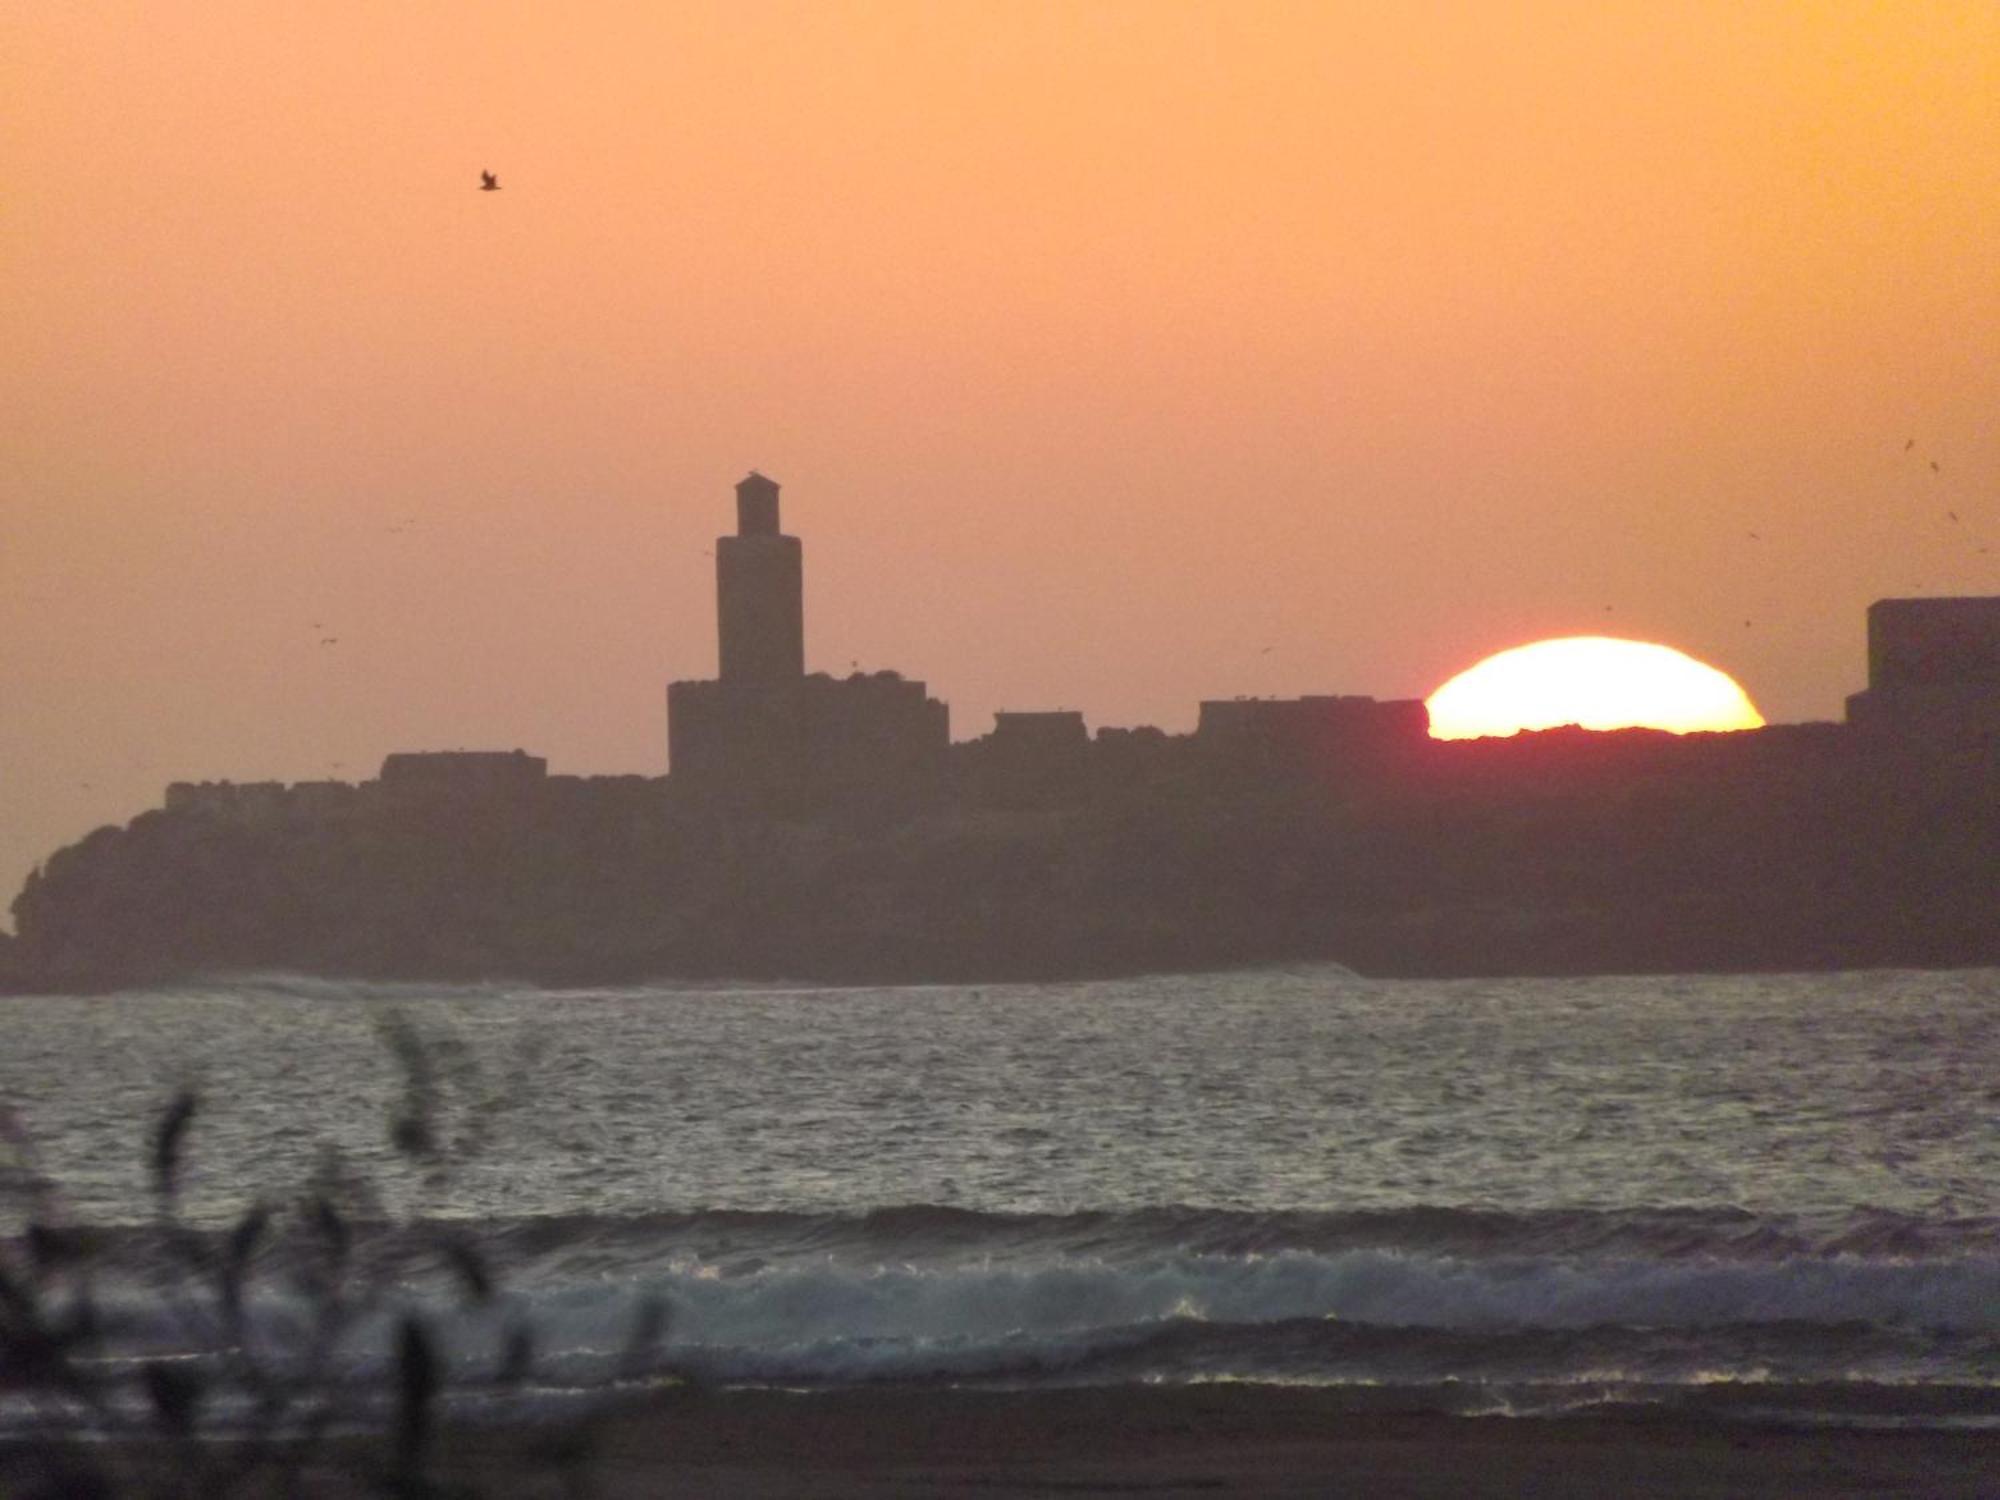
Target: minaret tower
{"x": 759, "y": 592}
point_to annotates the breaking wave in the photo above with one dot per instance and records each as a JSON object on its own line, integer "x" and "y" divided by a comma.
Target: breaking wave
{"x": 1467, "y": 1305}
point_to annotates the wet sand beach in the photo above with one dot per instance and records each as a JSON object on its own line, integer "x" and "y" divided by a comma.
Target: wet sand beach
{"x": 1232, "y": 1440}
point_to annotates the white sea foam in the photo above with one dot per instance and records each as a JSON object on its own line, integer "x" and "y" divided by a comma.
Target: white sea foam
{"x": 1356, "y": 1314}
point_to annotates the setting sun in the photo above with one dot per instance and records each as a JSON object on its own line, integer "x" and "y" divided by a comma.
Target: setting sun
{"x": 1596, "y": 681}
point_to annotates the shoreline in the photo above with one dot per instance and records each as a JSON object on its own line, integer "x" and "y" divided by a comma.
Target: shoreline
{"x": 1244, "y": 1440}
{"x": 26, "y": 985}
{"x": 1281, "y": 1442}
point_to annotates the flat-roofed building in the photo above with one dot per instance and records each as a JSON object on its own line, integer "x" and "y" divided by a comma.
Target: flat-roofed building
{"x": 1933, "y": 670}
{"x": 1316, "y": 730}
{"x": 463, "y": 772}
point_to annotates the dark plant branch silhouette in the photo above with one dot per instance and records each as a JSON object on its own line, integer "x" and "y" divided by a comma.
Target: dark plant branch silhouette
{"x": 244, "y": 1406}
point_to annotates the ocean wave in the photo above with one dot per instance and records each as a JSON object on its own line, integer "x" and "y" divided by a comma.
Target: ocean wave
{"x": 901, "y": 1326}
{"x": 1448, "y": 1309}
{"x": 938, "y": 1293}
{"x": 1471, "y": 1263}
{"x": 605, "y": 1243}
{"x": 930, "y": 1230}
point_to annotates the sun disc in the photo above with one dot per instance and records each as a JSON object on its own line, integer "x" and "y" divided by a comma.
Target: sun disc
{"x": 1598, "y": 682}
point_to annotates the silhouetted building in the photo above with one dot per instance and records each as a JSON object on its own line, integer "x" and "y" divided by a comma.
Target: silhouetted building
{"x": 1314, "y": 732}
{"x": 818, "y": 732}
{"x": 1031, "y": 759}
{"x": 262, "y": 803}
{"x": 463, "y": 772}
{"x": 1933, "y": 670}
{"x": 1042, "y": 732}
{"x": 763, "y": 725}
{"x": 246, "y": 802}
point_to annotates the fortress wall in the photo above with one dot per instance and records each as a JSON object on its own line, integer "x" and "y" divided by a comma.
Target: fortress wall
{"x": 815, "y": 733}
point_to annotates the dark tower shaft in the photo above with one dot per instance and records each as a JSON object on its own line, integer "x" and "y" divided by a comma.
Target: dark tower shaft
{"x": 759, "y": 592}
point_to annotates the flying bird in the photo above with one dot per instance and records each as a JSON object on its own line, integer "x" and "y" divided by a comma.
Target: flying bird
{"x": 1909, "y": 445}
{"x": 1934, "y": 467}
{"x": 488, "y": 183}
{"x": 1952, "y": 516}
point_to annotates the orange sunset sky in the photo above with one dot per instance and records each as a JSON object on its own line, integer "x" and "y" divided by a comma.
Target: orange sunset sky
{"x": 1112, "y": 355}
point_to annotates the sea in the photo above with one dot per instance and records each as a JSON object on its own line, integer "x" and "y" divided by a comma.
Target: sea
{"x": 1773, "y": 1198}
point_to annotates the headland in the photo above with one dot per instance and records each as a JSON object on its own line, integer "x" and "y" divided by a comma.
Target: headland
{"x": 827, "y": 828}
